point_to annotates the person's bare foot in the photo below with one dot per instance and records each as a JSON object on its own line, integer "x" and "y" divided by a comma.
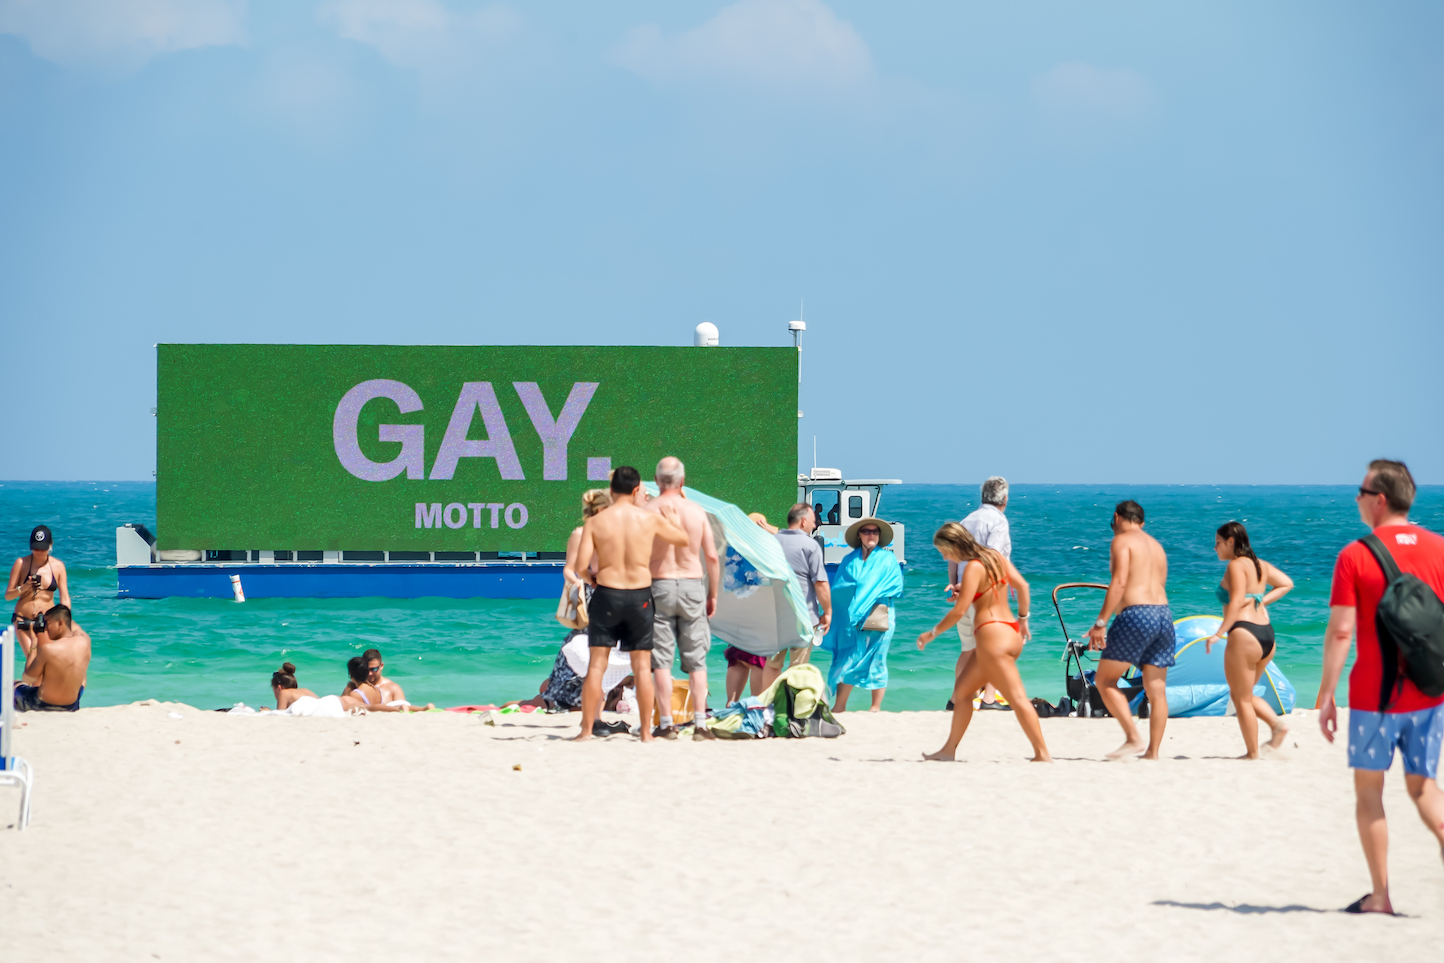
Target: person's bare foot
{"x": 1246, "y": 757}
{"x": 1130, "y": 748}
{"x": 875, "y": 709}
{"x": 1277, "y": 740}
{"x": 938, "y": 756}
{"x": 582, "y": 737}
{"x": 1151, "y": 756}
{"x": 1042, "y": 757}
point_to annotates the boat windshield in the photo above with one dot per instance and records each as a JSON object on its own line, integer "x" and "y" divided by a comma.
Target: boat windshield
{"x": 826, "y": 506}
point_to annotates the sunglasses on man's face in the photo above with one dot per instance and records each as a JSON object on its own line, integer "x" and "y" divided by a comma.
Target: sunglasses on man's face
{"x": 377, "y": 668}
{"x": 1366, "y": 491}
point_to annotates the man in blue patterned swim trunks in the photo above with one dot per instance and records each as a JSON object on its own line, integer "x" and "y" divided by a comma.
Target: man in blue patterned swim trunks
{"x": 1141, "y": 635}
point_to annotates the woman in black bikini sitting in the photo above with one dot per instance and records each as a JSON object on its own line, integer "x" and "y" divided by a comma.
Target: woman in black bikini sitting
{"x": 361, "y": 694}
{"x": 1245, "y": 595}
{"x": 985, "y": 575}
{"x": 36, "y": 580}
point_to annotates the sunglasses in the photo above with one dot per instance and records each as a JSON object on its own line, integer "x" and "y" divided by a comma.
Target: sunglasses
{"x": 1366, "y": 491}
{"x": 869, "y": 531}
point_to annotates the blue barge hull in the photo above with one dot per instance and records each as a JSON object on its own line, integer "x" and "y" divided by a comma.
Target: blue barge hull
{"x": 331, "y": 580}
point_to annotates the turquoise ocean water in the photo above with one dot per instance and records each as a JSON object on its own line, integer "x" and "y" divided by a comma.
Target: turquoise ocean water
{"x": 213, "y": 653}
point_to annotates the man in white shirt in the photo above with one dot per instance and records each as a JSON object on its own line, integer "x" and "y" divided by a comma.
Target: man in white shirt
{"x": 989, "y": 527}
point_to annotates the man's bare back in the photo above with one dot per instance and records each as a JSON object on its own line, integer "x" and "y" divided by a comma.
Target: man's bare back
{"x": 1140, "y": 561}
{"x": 622, "y": 537}
{"x": 680, "y": 561}
{"x": 59, "y": 665}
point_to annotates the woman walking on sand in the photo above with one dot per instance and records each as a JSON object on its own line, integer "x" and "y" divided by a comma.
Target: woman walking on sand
{"x": 1245, "y": 595}
{"x": 984, "y": 578}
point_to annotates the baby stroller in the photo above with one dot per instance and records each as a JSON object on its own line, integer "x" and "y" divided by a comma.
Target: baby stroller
{"x": 1078, "y": 676}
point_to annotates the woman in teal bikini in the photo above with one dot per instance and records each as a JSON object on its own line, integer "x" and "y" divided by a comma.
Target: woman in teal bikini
{"x": 1245, "y": 595}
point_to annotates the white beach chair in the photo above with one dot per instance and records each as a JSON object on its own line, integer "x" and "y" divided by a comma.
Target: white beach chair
{"x": 14, "y": 771}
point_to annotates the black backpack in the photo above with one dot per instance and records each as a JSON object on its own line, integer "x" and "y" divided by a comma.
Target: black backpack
{"x": 1410, "y": 624}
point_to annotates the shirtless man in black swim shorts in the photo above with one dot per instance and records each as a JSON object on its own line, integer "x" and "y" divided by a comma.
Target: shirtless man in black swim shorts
{"x": 55, "y": 671}
{"x": 622, "y": 537}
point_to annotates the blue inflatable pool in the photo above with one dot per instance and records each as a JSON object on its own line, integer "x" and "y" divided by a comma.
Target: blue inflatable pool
{"x": 1196, "y": 684}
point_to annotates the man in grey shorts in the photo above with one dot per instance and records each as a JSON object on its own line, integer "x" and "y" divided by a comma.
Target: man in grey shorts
{"x": 683, "y": 599}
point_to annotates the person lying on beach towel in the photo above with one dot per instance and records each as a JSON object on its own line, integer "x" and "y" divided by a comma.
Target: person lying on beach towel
{"x": 561, "y": 691}
{"x": 285, "y": 687}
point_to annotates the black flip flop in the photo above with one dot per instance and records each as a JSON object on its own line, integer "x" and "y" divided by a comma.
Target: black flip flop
{"x": 604, "y": 729}
{"x": 1357, "y": 906}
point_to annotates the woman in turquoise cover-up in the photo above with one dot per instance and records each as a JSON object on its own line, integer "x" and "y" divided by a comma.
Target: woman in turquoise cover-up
{"x": 867, "y": 577}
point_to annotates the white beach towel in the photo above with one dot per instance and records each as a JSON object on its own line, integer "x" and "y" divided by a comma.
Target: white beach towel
{"x": 326, "y": 707}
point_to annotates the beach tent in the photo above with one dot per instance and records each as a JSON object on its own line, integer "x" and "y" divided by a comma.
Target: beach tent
{"x": 1196, "y": 683}
{"x": 760, "y": 608}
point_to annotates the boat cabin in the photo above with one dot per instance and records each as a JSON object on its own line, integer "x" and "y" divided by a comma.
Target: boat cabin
{"x": 837, "y": 503}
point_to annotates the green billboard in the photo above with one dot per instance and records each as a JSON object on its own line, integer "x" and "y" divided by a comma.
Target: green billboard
{"x": 435, "y": 448}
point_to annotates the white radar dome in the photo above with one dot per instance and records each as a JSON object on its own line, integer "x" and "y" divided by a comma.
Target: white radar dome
{"x": 705, "y": 336}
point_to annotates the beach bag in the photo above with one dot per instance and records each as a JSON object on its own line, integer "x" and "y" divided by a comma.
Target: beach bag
{"x": 819, "y": 724}
{"x": 876, "y": 620}
{"x": 681, "y": 704}
{"x": 572, "y": 609}
{"x": 1410, "y": 625}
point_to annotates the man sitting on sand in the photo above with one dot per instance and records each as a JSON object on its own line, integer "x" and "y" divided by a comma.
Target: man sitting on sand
{"x": 362, "y": 693}
{"x": 621, "y": 606}
{"x": 682, "y": 599}
{"x": 391, "y": 693}
{"x": 54, "y": 677}
{"x": 1142, "y": 635}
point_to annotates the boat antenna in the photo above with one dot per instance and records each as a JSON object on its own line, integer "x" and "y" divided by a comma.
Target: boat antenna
{"x": 814, "y": 454}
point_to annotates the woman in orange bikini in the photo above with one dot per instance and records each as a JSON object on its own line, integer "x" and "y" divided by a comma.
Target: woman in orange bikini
{"x": 36, "y": 580}
{"x": 985, "y": 576}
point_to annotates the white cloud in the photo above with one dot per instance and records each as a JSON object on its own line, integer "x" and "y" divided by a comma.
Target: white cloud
{"x": 419, "y": 34}
{"x": 793, "y": 45}
{"x": 121, "y": 33}
{"x": 1082, "y": 90}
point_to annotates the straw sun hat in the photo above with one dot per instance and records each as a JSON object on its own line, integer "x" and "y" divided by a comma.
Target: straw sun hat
{"x": 884, "y": 539}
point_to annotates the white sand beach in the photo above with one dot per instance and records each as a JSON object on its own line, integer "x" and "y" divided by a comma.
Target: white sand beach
{"x": 221, "y": 837}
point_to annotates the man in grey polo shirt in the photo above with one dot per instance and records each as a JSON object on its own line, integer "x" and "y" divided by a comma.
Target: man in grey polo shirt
{"x": 805, "y": 556}
{"x": 989, "y": 527}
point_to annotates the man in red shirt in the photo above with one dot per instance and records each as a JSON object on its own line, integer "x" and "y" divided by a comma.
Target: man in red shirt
{"x": 1410, "y": 721}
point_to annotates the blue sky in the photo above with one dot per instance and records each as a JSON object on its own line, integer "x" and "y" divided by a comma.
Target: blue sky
{"x": 1064, "y": 242}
